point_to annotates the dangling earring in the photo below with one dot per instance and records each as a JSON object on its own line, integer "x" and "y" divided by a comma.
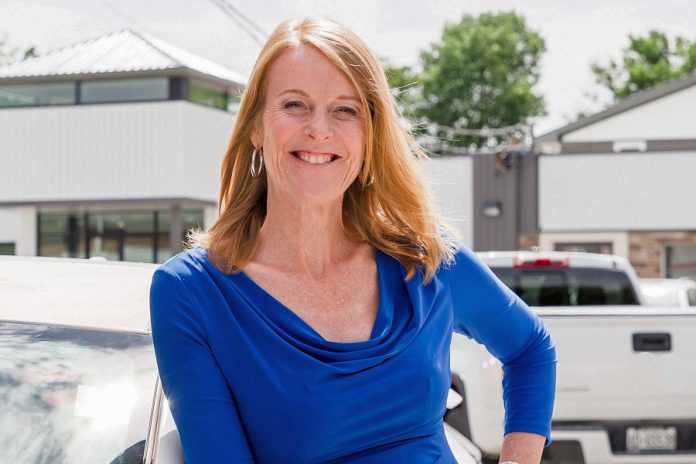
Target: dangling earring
{"x": 370, "y": 180}
{"x": 255, "y": 172}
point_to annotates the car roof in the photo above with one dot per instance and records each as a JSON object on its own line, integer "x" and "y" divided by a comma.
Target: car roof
{"x": 74, "y": 292}
{"x": 576, "y": 259}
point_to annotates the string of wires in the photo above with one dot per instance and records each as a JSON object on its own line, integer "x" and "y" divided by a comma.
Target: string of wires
{"x": 253, "y": 30}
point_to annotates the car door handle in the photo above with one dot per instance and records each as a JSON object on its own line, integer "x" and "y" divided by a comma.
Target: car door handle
{"x": 652, "y": 342}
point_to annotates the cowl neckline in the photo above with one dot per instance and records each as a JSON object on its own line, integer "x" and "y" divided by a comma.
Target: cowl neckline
{"x": 402, "y": 311}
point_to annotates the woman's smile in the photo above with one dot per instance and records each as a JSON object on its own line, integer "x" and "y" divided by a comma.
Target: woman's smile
{"x": 315, "y": 158}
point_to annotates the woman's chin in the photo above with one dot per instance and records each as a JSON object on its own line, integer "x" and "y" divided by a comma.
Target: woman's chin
{"x": 314, "y": 194}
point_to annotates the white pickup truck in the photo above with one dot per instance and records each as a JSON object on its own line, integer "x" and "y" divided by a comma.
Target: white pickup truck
{"x": 626, "y": 374}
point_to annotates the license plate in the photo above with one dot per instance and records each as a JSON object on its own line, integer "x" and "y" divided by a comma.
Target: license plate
{"x": 651, "y": 438}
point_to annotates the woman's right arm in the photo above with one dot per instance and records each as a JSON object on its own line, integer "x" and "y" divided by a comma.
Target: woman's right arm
{"x": 201, "y": 403}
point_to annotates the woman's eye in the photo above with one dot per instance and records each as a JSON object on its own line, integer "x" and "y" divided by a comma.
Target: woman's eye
{"x": 293, "y": 104}
{"x": 348, "y": 110}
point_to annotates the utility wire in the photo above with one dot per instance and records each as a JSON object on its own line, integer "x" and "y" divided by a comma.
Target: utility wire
{"x": 252, "y": 30}
{"x": 246, "y": 19}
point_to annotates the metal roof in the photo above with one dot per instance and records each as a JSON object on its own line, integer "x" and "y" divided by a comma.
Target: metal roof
{"x": 125, "y": 51}
{"x": 637, "y": 99}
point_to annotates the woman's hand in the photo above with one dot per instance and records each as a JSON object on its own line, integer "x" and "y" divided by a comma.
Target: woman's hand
{"x": 522, "y": 448}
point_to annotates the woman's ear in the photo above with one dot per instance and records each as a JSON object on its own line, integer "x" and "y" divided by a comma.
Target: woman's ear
{"x": 256, "y": 137}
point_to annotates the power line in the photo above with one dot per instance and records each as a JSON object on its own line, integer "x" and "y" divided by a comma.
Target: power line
{"x": 247, "y": 25}
{"x": 245, "y": 19}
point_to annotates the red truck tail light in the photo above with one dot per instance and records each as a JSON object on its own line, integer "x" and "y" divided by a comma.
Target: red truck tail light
{"x": 541, "y": 262}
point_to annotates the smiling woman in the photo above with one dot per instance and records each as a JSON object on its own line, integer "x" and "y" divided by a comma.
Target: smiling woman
{"x": 312, "y": 322}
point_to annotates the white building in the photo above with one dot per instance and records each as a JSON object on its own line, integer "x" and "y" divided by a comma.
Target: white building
{"x": 624, "y": 181}
{"x": 111, "y": 147}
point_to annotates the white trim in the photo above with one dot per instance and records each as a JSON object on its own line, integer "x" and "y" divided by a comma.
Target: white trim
{"x": 619, "y": 240}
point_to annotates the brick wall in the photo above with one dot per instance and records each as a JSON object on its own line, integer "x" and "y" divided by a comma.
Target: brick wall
{"x": 524, "y": 242}
{"x": 645, "y": 249}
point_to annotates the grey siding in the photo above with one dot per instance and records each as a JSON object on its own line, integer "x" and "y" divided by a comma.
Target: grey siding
{"x": 513, "y": 184}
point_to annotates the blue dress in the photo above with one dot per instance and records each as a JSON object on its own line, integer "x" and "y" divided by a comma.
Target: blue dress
{"x": 248, "y": 380}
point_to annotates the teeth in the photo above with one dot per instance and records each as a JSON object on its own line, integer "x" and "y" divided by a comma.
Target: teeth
{"x": 312, "y": 158}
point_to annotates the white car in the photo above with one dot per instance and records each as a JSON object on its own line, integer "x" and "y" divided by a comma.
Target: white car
{"x": 669, "y": 292}
{"x": 78, "y": 376}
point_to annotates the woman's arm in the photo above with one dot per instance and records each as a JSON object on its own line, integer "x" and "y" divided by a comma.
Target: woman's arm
{"x": 199, "y": 398}
{"x": 522, "y": 448}
{"x": 490, "y": 313}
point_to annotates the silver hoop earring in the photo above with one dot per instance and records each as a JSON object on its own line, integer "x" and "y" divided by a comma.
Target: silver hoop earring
{"x": 255, "y": 172}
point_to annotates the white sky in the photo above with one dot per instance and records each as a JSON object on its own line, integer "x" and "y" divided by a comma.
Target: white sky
{"x": 577, "y": 33}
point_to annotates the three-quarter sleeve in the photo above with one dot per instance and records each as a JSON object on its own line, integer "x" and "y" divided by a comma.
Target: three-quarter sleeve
{"x": 199, "y": 397}
{"x": 493, "y": 315}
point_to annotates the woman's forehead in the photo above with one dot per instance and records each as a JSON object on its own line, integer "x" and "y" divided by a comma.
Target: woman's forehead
{"x": 309, "y": 71}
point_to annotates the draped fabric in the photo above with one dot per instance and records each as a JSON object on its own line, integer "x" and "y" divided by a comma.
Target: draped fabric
{"x": 248, "y": 380}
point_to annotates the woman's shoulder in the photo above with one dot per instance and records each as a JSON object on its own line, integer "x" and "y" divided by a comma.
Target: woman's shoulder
{"x": 187, "y": 265}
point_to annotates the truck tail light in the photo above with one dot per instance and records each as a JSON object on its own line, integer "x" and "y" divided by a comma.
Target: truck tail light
{"x": 526, "y": 263}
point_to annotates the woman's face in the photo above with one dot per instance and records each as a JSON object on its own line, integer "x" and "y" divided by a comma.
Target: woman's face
{"x": 312, "y": 128}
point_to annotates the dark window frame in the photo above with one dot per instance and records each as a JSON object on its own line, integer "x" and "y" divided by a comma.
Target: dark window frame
{"x": 10, "y": 244}
{"x": 83, "y": 235}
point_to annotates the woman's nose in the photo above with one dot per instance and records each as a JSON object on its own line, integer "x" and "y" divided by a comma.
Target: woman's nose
{"x": 318, "y": 127}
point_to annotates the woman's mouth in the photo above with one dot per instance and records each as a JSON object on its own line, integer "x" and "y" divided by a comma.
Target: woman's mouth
{"x": 314, "y": 158}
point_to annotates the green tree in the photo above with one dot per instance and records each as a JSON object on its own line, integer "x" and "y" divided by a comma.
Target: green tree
{"x": 405, "y": 85}
{"x": 8, "y": 53}
{"x": 647, "y": 61}
{"x": 482, "y": 73}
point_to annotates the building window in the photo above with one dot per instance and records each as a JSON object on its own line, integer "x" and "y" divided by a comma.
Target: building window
{"x": 61, "y": 235}
{"x": 124, "y": 90}
{"x": 207, "y": 95}
{"x": 116, "y": 235}
{"x": 57, "y": 93}
{"x": 680, "y": 261}
{"x": 7, "y": 248}
{"x": 589, "y": 247}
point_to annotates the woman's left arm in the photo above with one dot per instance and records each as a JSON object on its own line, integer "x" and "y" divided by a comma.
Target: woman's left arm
{"x": 490, "y": 313}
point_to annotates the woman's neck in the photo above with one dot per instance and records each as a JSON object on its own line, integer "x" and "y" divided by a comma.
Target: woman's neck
{"x": 305, "y": 238}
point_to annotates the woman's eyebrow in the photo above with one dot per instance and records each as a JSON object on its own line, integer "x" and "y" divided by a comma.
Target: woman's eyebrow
{"x": 305, "y": 94}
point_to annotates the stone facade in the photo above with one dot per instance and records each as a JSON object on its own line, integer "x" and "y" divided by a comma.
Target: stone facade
{"x": 646, "y": 249}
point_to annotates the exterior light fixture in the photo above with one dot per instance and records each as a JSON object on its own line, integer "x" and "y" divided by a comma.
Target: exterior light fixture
{"x": 492, "y": 209}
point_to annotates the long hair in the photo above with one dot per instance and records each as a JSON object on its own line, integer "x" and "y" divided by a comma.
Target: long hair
{"x": 387, "y": 205}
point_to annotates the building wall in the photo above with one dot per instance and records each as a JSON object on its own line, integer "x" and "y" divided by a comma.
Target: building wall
{"x": 450, "y": 179}
{"x": 669, "y": 117}
{"x": 617, "y": 192}
{"x": 18, "y": 226}
{"x": 618, "y": 240}
{"x": 511, "y": 182}
{"x": 647, "y": 250}
{"x": 112, "y": 151}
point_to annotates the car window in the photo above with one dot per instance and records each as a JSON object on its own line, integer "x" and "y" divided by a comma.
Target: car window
{"x": 568, "y": 286}
{"x": 691, "y": 294}
{"x": 72, "y": 395}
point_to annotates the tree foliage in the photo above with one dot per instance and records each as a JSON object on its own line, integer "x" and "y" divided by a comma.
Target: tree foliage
{"x": 648, "y": 61}
{"x": 482, "y": 73}
{"x": 405, "y": 85}
{"x": 9, "y": 53}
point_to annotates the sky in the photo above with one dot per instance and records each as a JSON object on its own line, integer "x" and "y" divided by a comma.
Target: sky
{"x": 576, "y": 33}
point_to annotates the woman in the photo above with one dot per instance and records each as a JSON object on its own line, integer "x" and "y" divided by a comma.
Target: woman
{"x": 312, "y": 322}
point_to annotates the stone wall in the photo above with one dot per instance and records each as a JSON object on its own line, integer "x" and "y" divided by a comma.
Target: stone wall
{"x": 646, "y": 248}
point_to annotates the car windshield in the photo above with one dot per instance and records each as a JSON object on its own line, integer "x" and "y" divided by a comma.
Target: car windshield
{"x": 569, "y": 286}
{"x": 72, "y": 395}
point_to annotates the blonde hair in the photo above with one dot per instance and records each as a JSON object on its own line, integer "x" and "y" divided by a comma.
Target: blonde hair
{"x": 392, "y": 211}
